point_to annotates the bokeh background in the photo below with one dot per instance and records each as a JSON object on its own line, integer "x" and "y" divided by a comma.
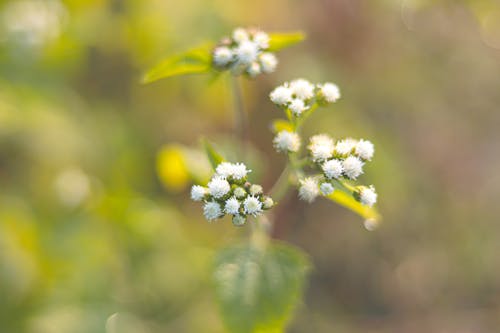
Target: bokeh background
{"x": 96, "y": 235}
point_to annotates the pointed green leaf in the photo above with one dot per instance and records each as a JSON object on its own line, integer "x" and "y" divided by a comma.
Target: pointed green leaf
{"x": 257, "y": 290}
{"x": 194, "y": 61}
{"x": 279, "y": 125}
{"x": 280, "y": 41}
{"x": 343, "y": 196}
{"x": 213, "y": 156}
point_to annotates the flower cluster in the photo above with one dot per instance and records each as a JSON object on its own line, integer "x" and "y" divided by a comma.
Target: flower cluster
{"x": 229, "y": 192}
{"x": 300, "y": 95}
{"x": 245, "y": 52}
{"x": 343, "y": 159}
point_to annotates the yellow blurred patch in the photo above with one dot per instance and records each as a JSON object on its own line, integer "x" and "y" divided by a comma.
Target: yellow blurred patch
{"x": 172, "y": 168}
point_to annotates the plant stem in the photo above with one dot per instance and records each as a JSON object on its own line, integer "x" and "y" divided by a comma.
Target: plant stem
{"x": 239, "y": 112}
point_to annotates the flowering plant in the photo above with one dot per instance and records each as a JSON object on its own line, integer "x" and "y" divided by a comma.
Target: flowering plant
{"x": 259, "y": 283}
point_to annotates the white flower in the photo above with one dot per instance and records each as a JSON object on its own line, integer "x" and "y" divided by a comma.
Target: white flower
{"x": 281, "y": 95}
{"x": 321, "y": 147}
{"x": 329, "y": 92}
{"x": 198, "y": 192}
{"x": 302, "y": 89}
{"x": 368, "y": 196}
{"x": 326, "y": 188}
{"x": 345, "y": 147}
{"x": 353, "y": 167}
{"x": 254, "y": 69}
{"x": 218, "y": 187}
{"x": 252, "y": 205}
{"x": 235, "y": 170}
{"x": 222, "y": 56}
{"x": 239, "y": 220}
{"x": 212, "y": 210}
{"x": 239, "y": 192}
{"x": 239, "y": 171}
{"x": 262, "y": 39}
{"x": 240, "y": 35}
{"x": 333, "y": 168}
{"x": 247, "y": 52}
{"x": 232, "y": 206}
{"x": 286, "y": 141}
{"x": 297, "y": 106}
{"x": 268, "y": 203}
{"x": 364, "y": 149}
{"x": 268, "y": 62}
{"x": 308, "y": 189}
{"x": 256, "y": 189}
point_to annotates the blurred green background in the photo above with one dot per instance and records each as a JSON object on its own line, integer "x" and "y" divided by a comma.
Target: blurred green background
{"x": 94, "y": 239}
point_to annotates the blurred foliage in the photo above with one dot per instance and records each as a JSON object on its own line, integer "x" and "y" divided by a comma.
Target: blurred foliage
{"x": 93, "y": 239}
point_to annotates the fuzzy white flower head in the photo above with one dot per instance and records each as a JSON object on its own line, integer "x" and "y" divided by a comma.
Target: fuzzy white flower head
{"x": 252, "y": 205}
{"x": 222, "y": 56}
{"x": 262, "y": 39}
{"x": 268, "y": 62}
{"x": 281, "y": 95}
{"x": 308, "y": 189}
{"x": 286, "y": 141}
{"x": 302, "y": 89}
{"x": 333, "y": 169}
{"x": 345, "y": 147}
{"x": 239, "y": 171}
{"x": 212, "y": 210}
{"x": 224, "y": 169}
{"x": 329, "y": 92}
{"x": 240, "y": 35}
{"x": 364, "y": 149}
{"x": 321, "y": 147}
{"x": 239, "y": 220}
{"x": 326, "y": 188}
{"x": 268, "y": 203}
{"x": 235, "y": 170}
{"x": 247, "y": 52}
{"x": 297, "y": 106}
{"x": 198, "y": 192}
{"x": 232, "y": 206}
{"x": 254, "y": 69}
{"x": 353, "y": 167}
{"x": 368, "y": 196}
{"x": 239, "y": 192}
{"x": 218, "y": 187}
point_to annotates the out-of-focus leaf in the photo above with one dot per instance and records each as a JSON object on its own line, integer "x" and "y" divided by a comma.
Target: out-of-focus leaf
{"x": 347, "y": 200}
{"x": 213, "y": 156}
{"x": 280, "y": 41}
{"x": 257, "y": 290}
{"x": 279, "y": 125}
{"x": 172, "y": 167}
{"x": 194, "y": 61}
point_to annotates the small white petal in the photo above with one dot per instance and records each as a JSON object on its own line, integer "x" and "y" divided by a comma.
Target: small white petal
{"x": 364, "y": 149}
{"x": 353, "y": 167}
{"x": 262, "y": 39}
{"x": 252, "y": 206}
{"x": 222, "y": 56}
{"x": 232, "y": 206}
{"x": 247, "y": 52}
{"x": 321, "y": 147}
{"x": 286, "y": 141}
{"x": 308, "y": 189}
{"x": 281, "y": 95}
{"x": 368, "y": 196}
{"x": 198, "y": 192}
{"x": 297, "y": 106}
{"x": 333, "y": 169}
{"x": 268, "y": 62}
{"x": 329, "y": 92}
{"x": 254, "y": 69}
{"x": 345, "y": 147}
{"x": 240, "y": 35}
{"x": 218, "y": 187}
{"x": 302, "y": 89}
{"x": 212, "y": 211}
{"x": 326, "y": 188}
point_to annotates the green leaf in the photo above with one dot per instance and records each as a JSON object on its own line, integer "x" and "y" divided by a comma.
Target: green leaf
{"x": 194, "y": 61}
{"x": 280, "y": 41}
{"x": 213, "y": 156}
{"x": 279, "y": 125}
{"x": 346, "y": 200}
{"x": 257, "y": 290}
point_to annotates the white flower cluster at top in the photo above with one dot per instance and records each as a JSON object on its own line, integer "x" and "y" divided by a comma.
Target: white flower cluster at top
{"x": 336, "y": 160}
{"x": 229, "y": 192}
{"x": 300, "y": 95}
{"x": 245, "y": 52}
